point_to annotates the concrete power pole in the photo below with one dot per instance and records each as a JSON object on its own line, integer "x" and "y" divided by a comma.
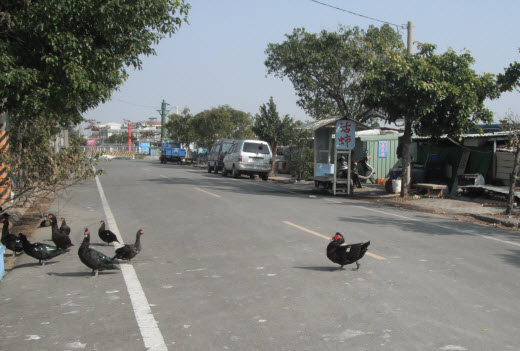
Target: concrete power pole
{"x": 407, "y": 137}
{"x": 163, "y": 113}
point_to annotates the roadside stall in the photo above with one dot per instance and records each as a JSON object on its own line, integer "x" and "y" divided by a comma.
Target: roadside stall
{"x": 333, "y": 138}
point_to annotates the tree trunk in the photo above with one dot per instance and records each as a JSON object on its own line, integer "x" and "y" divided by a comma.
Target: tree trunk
{"x": 273, "y": 167}
{"x": 512, "y": 181}
{"x": 405, "y": 160}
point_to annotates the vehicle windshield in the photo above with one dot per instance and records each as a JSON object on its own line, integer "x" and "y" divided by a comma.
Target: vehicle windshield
{"x": 258, "y": 148}
{"x": 226, "y": 147}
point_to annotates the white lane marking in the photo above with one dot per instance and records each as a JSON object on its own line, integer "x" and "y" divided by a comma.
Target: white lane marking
{"x": 152, "y": 337}
{"x": 442, "y": 226}
{"x": 160, "y": 175}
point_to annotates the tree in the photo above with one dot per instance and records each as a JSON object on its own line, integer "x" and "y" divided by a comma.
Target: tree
{"x": 508, "y": 81}
{"x": 511, "y": 123}
{"x": 221, "y": 122}
{"x": 435, "y": 94}
{"x": 301, "y": 152}
{"x": 326, "y": 68}
{"x": 180, "y": 127}
{"x": 268, "y": 126}
{"x": 59, "y": 59}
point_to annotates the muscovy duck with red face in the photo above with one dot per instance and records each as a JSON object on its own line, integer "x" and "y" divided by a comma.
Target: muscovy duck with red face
{"x": 94, "y": 259}
{"x": 341, "y": 253}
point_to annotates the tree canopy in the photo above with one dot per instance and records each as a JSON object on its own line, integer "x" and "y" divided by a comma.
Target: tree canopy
{"x": 180, "y": 127}
{"x": 221, "y": 122}
{"x": 326, "y": 68}
{"x": 268, "y": 126}
{"x": 434, "y": 93}
{"x": 61, "y": 57}
{"x": 510, "y": 79}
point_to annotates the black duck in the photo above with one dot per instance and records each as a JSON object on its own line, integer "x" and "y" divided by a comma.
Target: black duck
{"x": 106, "y": 235}
{"x": 41, "y": 252}
{"x": 343, "y": 254}
{"x": 11, "y": 241}
{"x": 129, "y": 251}
{"x": 93, "y": 259}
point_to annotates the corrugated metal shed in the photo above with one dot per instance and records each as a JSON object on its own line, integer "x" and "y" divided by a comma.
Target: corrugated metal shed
{"x": 383, "y": 162}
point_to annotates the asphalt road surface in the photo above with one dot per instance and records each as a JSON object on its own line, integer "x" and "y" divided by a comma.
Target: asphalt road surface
{"x": 240, "y": 264}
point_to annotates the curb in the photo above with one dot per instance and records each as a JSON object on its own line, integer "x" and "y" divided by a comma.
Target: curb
{"x": 496, "y": 221}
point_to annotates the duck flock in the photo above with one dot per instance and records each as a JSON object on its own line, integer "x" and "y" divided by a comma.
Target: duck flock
{"x": 337, "y": 250}
{"x": 93, "y": 259}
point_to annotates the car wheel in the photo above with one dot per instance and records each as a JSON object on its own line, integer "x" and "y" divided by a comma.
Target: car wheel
{"x": 251, "y": 176}
{"x": 234, "y": 172}
{"x": 265, "y": 176}
{"x": 209, "y": 168}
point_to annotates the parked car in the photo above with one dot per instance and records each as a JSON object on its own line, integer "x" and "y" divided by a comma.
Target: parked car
{"x": 249, "y": 157}
{"x": 216, "y": 154}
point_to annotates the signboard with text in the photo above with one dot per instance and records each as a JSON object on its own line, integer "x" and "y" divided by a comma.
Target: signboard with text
{"x": 383, "y": 149}
{"x": 91, "y": 142}
{"x": 345, "y": 135}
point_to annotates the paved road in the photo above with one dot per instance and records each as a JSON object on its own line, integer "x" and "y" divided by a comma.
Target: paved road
{"x": 240, "y": 265}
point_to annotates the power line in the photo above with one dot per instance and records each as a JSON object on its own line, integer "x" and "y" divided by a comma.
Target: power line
{"x": 137, "y": 105}
{"x": 360, "y": 15}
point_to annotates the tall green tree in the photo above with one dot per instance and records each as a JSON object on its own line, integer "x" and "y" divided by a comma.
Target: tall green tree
{"x": 326, "y": 68}
{"x": 180, "y": 127}
{"x": 435, "y": 93}
{"x": 59, "y": 58}
{"x": 223, "y": 122}
{"x": 268, "y": 126}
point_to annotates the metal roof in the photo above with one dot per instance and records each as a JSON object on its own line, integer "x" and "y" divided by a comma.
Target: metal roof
{"x": 331, "y": 123}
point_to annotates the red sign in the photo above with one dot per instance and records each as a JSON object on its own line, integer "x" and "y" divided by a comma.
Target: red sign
{"x": 91, "y": 142}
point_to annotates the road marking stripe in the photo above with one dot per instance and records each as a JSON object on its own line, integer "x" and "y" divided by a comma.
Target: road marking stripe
{"x": 377, "y": 257}
{"x": 152, "y": 337}
{"x": 207, "y": 192}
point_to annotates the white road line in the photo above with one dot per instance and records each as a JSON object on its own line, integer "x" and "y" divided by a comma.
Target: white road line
{"x": 152, "y": 337}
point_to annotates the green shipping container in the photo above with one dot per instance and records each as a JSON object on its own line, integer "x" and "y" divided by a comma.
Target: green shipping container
{"x": 382, "y": 149}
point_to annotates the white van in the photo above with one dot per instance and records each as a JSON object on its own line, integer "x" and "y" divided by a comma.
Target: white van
{"x": 249, "y": 157}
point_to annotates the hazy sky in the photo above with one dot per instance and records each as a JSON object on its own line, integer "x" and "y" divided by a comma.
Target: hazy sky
{"x": 218, "y": 58}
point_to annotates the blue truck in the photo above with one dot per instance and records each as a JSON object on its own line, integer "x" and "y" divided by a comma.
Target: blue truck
{"x": 173, "y": 152}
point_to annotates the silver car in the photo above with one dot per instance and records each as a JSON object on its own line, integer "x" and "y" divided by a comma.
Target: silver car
{"x": 249, "y": 157}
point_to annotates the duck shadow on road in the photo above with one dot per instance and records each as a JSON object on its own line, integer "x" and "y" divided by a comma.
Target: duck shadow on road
{"x": 79, "y": 274}
{"x": 319, "y": 268}
{"x": 31, "y": 264}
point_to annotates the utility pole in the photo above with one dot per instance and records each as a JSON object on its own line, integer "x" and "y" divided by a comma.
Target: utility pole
{"x": 163, "y": 113}
{"x": 407, "y": 137}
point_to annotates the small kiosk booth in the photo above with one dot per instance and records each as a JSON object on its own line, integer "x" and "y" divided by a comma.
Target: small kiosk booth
{"x": 333, "y": 137}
